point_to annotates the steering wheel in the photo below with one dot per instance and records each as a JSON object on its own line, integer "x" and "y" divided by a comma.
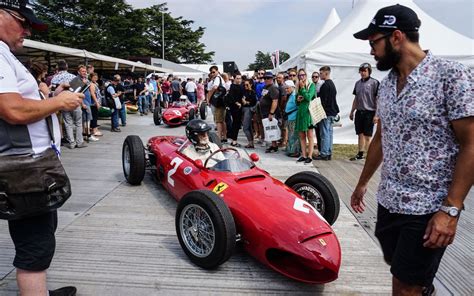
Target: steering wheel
{"x": 211, "y": 157}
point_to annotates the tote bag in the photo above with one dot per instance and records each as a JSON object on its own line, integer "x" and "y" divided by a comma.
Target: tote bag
{"x": 316, "y": 110}
{"x": 271, "y": 130}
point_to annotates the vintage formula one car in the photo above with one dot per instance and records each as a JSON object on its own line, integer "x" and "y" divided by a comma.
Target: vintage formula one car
{"x": 179, "y": 112}
{"x": 227, "y": 200}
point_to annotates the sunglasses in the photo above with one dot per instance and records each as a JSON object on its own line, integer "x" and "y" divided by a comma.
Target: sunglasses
{"x": 301, "y": 75}
{"x": 213, "y": 72}
{"x": 24, "y": 23}
{"x": 292, "y": 75}
{"x": 268, "y": 78}
{"x": 315, "y": 76}
{"x": 373, "y": 42}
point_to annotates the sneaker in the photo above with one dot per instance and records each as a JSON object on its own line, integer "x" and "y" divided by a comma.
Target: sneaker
{"x": 116, "y": 129}
{"x": 82, "y": 145}
{"x": 320, "y": 157}
{"x": 357, "y": 157}
{"x": 301, "y": 159}
{"x": 308, "y": 160}
{"x": 224, "y": 141}
{"x": 71, "y": 146}
{"x": 93, "y": 139}
{"x": 64, "y": 291}
{"x": 271, "y": 149}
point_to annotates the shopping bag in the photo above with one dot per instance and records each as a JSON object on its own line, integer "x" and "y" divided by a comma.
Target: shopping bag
{"x": 316, "y": 110}
{"x": 271, "y": 130}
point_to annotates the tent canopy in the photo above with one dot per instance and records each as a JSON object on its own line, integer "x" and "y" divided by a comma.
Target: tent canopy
{"x": 44, "y": 52}
{"x": 344, "y": 54}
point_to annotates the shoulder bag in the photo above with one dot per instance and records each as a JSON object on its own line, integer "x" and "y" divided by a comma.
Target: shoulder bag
{"x": 32, "y": 184}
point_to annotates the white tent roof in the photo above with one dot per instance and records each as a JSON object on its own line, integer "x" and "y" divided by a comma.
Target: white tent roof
{"x": 332, "y": 20}
{"x": 340, "y": 48}
{"x": 82, "y": 53}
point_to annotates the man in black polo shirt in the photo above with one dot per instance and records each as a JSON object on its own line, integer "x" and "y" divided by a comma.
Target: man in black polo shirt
{"x": 365, "y": 92}
{"x": 269, "y": 104}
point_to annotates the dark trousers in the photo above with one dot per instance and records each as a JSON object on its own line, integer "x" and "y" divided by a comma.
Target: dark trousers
{"x": 236, "y": 115}
{"x": 95, "y": 116}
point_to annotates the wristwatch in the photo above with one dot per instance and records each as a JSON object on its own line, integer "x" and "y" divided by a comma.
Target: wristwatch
{"x": 451, "y": 211}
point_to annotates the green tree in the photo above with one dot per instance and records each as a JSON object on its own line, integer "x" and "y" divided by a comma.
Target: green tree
{"x": 264, "y": 60}
{"x": 113, "y": 27}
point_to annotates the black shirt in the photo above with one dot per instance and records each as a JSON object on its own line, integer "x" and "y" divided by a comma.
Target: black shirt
{"x": 327, "y": 93}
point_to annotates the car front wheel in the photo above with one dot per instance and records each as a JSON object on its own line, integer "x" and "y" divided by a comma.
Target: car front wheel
{"x": 318, "y": 191}
{"x": 205, "y": 228}
{"x": 133, "y": 160}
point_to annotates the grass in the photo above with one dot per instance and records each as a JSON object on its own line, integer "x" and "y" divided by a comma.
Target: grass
{"x": 344, "y": 151}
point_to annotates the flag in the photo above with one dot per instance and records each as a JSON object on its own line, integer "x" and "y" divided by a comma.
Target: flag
{"x": 277, "y": 57}
{"x": 273, "y": 60}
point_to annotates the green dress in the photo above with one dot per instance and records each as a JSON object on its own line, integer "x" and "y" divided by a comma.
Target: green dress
{"x": 303, "y": 118}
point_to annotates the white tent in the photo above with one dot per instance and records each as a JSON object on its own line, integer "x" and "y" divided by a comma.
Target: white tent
{"x": 331, "y": 21}
{"x": 343, "y": 53}
{"x": 35, "y": 50}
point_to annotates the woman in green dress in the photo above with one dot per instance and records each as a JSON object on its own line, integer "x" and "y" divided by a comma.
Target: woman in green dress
{"x": 304, "y": 124}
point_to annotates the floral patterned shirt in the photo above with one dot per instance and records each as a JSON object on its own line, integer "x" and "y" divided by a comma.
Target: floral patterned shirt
{"x": 418, "y": 142}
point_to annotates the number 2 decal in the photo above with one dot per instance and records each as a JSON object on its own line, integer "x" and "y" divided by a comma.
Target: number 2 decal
{"x": 176, "y": 162}
{"x": 304, "y": 206}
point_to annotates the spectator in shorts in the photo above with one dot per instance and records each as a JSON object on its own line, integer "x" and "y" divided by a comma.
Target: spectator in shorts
{"x": 166, "y": 88}
{"x": 217, "y": 103}
{"x": 425, "y": 140}
{"x": 365, "y": 95}
{"x": 86, "y": 107}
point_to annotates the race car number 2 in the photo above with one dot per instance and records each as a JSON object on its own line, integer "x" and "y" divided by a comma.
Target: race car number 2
{"x": 304, "y": 206}
{"x": 176, "y": 162}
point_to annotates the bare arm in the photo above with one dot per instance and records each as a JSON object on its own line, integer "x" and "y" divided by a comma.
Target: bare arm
{"x": 17, "y": 110}
{"x": 373, "y": 161}
{"x": 94, "y": 97}
{"x": 441, "y": 228}
{"x": 351, "y": 115}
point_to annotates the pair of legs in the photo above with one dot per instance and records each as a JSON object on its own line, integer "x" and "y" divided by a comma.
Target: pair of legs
{"x": 307, "y": 143}
{"x": 401, "y": 237}
{"x": 247, "y": 115}
{"x": 219, "y": 118}
{"x": 73, "y": 126}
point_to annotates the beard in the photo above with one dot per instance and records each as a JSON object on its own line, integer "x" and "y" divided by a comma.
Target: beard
{"x": 390, "y": 58}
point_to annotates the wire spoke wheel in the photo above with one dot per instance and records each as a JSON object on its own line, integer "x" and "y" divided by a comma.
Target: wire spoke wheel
{"x": 197, "y": 230}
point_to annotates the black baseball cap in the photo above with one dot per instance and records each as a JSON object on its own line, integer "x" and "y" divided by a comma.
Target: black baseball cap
{"x": 389, "y": 19}
{"x": 23, "y": 7}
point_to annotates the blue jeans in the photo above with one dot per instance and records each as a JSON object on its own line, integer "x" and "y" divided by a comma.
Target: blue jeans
{"x": 149, "y": 99}
{"x": 192, "y": 97}
{"x": 115, "y": 118}
{"x": 142, "y": 104}
{"x": 123, "y": 115}
{"x": 326, "y": 132}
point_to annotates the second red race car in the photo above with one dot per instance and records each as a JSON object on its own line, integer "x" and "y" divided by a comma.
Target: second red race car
{"x": 179, "y": 112}
{"x": 227, "y": 200}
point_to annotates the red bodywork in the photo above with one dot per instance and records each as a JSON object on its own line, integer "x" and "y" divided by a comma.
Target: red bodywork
{"x": 176, "y": 114}
{"x": 277, "y": 226}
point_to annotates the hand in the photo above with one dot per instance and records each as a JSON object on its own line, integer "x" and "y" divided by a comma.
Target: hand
{"x": 301, "y": 83}
{"x": 440, "y": 231}
{"x": 270, "y": 117}
{"x": 351, "y": 115}
{"x": 70, "y": 101}
{"x": 357, "y": 198}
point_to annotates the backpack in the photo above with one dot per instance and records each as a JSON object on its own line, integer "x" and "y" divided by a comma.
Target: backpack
{"x": 217, "y": 99}
{"x": 108, "y": 98}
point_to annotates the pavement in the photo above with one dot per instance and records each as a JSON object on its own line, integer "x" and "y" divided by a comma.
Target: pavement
{"x": 118, "y": 239}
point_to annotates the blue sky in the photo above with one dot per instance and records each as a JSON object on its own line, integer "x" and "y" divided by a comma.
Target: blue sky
{"x": 237, "y": 29}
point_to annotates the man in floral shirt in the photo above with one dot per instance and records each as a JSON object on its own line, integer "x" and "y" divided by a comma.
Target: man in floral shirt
{"x": 425, "y": 139}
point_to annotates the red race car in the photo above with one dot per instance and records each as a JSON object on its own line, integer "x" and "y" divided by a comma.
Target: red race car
{"x": 227, "y": 200}
{"x": 179, "y": 112}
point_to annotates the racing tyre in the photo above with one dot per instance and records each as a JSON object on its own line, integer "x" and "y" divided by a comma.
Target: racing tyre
{"x": 157, "y": 115}
{"x": 318, "y": 191}
{"x": 205, "y": 228}
{"x": 192, "y": 114}
{"x": 203, "y": 110}
{"x": 214, "y": 138}
{"x": 133, "y": 160}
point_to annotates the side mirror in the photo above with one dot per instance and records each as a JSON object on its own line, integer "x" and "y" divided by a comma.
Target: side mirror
{"x": 254, "y": 157}
{"x": 199, "y": 163}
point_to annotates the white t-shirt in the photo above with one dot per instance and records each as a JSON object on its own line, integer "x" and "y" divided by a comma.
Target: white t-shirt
{"x": 191, "y": 152}
{"x": 15, "y": 78}
{"x": 190, "y": 86}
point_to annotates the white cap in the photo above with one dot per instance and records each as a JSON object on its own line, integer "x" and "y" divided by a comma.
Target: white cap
{"x": 290, "y": 83}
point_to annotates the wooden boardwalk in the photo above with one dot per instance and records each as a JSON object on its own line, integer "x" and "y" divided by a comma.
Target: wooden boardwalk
{"x": 116, "y": 239}
{"x": 455, "y": 274}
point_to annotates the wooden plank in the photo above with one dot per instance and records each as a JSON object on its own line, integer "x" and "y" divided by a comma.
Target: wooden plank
{"x": 455, "y": 271}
